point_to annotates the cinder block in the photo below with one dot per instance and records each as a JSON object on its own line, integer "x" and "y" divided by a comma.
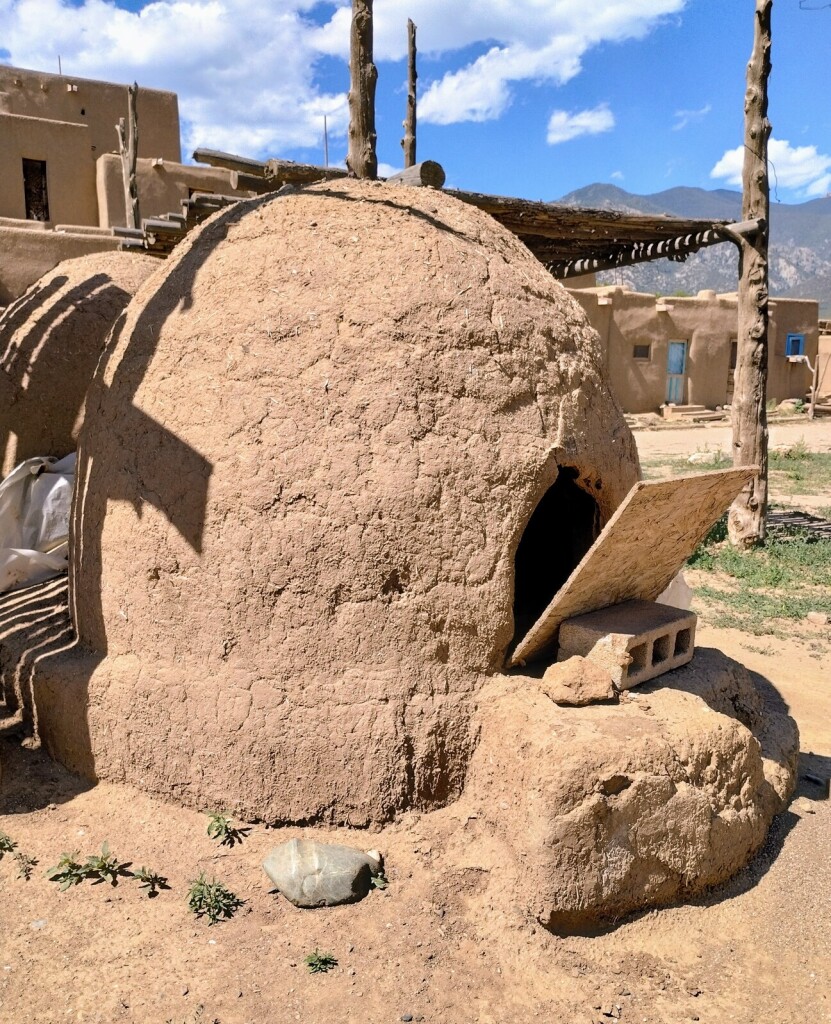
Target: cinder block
{"x": 634, "y": 641}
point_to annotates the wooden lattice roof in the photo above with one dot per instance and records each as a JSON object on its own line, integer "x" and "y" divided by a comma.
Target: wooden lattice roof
{"x": 570, "y": 241}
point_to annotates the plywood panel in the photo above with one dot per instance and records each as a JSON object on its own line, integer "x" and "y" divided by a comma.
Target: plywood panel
{"x": 654, "y": 531}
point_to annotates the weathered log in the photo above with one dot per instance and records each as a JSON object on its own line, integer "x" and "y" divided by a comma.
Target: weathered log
{"x": 408, "y": 143}
{"x": 287, "y": 172}
{"x": 241, "y": 182}
{"x": 746, "y": 520}
{"x": 127, "y": 132}
{"x": 361, "y": 159}
{"x": 230, "y": 161}
{"x": 428, "y": 172}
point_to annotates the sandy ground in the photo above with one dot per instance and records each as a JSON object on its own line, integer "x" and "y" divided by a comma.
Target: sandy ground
{"x": 439, "y": 944}
{"x": 686, "y": 440}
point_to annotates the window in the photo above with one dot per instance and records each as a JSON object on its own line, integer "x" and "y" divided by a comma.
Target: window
{"x": 641, "y": 352}
{"x": 734, "y": 353}
{"x": 795, "y": 345}
{"x": 34, "y": 190}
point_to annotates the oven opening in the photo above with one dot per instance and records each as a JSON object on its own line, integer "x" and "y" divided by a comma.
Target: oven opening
{"x": 563, "y": 527}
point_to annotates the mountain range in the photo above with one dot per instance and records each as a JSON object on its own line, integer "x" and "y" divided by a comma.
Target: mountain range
{"x": 800, "y": 243}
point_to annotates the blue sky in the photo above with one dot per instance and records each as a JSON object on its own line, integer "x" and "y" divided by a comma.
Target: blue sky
{"x": 520, "y": 97}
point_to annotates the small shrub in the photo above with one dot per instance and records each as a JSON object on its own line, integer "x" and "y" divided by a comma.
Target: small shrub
{"x": 7, "y": 844}
{"x": 25, "y": 864}
{"x": 379, "y": 881}
{"x": 151, "y": 881}
{"x": 212, "y": 899}
{"x": 320, "y": 963}
{"x": 223, "y": 829}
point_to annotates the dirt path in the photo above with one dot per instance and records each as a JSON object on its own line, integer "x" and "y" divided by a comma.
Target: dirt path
{"x": 686, "y": 440}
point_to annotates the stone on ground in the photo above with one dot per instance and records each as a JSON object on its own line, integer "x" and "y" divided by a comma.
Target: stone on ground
{"x": 312, "y": 874}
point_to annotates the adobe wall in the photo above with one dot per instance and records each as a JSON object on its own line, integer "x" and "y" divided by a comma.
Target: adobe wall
{"x": 824, "y": 357}
{"x": 26, "y": 254}
{"x": 70, "y": 167}
{"x": 50, "y": 343}
{"x": 70, "y": 122}
{"x": 320, "y": 433}
{"x": 791, "y": 316}
{"x": 708, "y": 323}
{"x": 161, "y": 187}
{"x": 98, "y": 105}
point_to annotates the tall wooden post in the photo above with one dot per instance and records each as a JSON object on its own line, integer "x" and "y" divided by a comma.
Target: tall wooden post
{"x": 128, "y": 148}
{"x": 408, "y": 143}
{"x": 362, "y": 160}
{"x": 747, "y": 517}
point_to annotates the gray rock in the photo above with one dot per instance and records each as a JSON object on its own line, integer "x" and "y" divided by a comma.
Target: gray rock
{"x": 312, "y": 874}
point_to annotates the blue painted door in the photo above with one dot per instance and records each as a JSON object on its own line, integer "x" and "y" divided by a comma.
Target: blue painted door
{"x": 676, "y": 372}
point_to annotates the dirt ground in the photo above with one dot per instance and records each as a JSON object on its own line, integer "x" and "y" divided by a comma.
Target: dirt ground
{"x": 686, "y": 440}
{"x": 438, "y": 944}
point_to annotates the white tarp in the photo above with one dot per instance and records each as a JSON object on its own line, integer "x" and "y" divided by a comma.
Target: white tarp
{"x": 35, "y": 499}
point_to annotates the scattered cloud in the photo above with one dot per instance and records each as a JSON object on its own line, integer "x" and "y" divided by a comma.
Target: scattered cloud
{"x": 244, "y": 72}
{"x": 616, "y": 176}
{"x": 563, "y": 126}
{"x": 247, "y": 75}
{"x": 800, "y": 168}
{"x": 685, "y": 117}
{"x": 528, "y": 40}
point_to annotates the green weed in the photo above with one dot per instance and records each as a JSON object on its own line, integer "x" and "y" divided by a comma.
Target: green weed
{"x": 25, "y": 864}
{"x": 223, "y": 829}
{"x": 151, "y": 881}
{"x": 68, "y": 871}
{"x": 103, "y": 867}
{"x": 212, "y": 900}
{"x": 7, "y": 844}
{"x": 320, "y": 963}
{"x": 787, "y": 577}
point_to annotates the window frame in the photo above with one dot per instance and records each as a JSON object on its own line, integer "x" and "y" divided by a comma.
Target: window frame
{"x": 795, "y": 344}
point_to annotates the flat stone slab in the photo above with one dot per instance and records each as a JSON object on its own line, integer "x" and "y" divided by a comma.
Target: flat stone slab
{"x": 653, "y": 532}
{"x": 632, "y": 642}
{"x": 312, "y": 874}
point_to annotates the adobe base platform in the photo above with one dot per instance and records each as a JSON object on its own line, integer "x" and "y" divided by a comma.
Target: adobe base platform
{"x": 634, "y": 641}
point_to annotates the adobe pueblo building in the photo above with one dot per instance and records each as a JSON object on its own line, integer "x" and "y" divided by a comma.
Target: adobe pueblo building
{"x": 341, "y": 453}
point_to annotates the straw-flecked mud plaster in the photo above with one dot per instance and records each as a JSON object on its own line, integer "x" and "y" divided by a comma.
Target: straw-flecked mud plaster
{"x": 307, "y": 463}
{"x": 308, "y": 459}
{"x": 50, "y": 341}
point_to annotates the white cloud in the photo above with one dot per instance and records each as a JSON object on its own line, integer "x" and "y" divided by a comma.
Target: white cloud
{"x": 245, "y": 72}
{"x": 528, "y": 40}
{"x": 800, "y": 168}
{"x": 616, "y": 175}
{"x": 563, "y": 126}
{"x": 685, "y": 117}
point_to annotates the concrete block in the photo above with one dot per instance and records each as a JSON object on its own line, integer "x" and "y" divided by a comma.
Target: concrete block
{"x": 633, "y": 641}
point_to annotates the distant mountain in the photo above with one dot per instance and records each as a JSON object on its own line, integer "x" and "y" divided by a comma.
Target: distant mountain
{"x": 800, "y": 259}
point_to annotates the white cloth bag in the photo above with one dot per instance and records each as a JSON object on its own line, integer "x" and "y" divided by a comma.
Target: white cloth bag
{"x": 35, "y": 500}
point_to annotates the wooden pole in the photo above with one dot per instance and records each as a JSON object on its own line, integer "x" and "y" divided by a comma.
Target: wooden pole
{"x": 408, "y": 143}
{"x": 362, "y": 160}
{"x": 128, "y": 148}
{"x": 746, "y": 520}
